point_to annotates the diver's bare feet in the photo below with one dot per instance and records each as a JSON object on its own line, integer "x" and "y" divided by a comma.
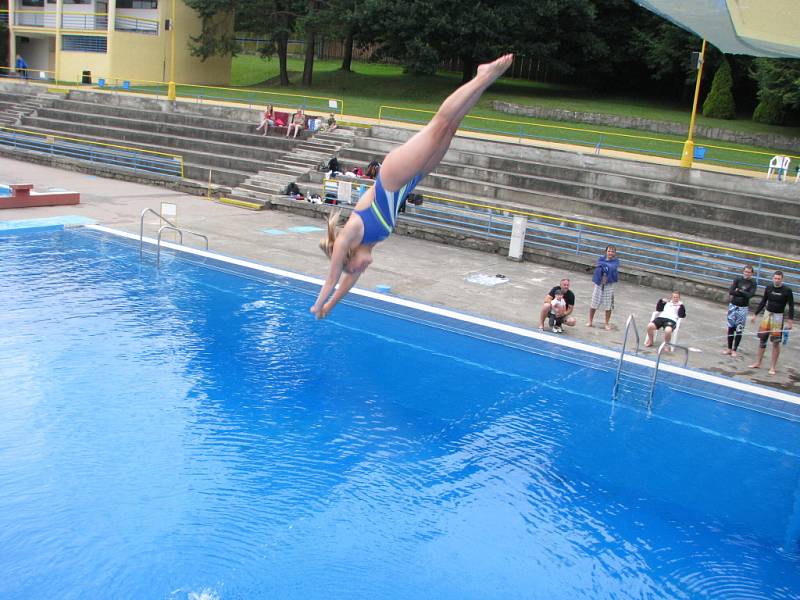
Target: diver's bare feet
{"x": 755, "y": 366}
{"x": 772, "y": 371}
{"x": 607, "y": 327}
{"x": 727, "y": 351}
{"x": 733, "y": 354}
{"x": 494, "y": 69}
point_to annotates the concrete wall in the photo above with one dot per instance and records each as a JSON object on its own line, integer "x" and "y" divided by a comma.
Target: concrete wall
{"x": 139, "y": 57}
{"x": 73, "y": 64}
{"x": 190, "y": 69}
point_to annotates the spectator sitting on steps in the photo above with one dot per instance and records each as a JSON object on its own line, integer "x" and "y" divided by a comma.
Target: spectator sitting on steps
{"x": 297, "y": 123}
{"x": 267, "y": 119}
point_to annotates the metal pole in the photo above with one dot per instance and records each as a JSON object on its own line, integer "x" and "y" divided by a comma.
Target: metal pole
{"x": 688, "y": 146}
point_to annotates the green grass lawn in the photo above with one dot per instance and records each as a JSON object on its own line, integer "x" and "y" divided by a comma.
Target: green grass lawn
{"x": 370, "y": 85}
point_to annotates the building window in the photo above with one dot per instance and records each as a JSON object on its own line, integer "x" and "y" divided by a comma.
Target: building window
{"x": 137, "y": 3}
{"x": 33, "y": 3}
{"x": 84, "y": 43}
{"x": 76, "y": 1}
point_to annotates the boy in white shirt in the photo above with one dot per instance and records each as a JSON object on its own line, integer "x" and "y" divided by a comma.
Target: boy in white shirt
{"x": 558, "y": 310}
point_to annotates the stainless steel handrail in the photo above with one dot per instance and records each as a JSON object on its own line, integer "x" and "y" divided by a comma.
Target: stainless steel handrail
{"x": 631, "y": 322}
{"x": 180, "y": 233}
{"x": 658, "y": 363}
{"x": 141, "y": 228}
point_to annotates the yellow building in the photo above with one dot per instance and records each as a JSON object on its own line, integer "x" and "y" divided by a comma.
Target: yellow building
{"x": 73, "y": 40}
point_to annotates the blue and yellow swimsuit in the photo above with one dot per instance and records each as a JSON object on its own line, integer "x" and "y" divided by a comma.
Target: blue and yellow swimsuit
{"x": 380, "y": 218}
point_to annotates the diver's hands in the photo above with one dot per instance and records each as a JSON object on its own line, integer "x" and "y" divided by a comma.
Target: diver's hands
{"x": 321, "y": 311}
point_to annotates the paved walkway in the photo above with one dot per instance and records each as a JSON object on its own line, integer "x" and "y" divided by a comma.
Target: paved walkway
{"x": 416, "y": 269}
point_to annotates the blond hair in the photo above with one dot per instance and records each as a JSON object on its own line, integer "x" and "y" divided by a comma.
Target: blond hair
{"x": 326, "y": 243}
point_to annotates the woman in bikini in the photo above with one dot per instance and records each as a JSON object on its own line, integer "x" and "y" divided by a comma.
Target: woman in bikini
{"x": 374, "y": 216}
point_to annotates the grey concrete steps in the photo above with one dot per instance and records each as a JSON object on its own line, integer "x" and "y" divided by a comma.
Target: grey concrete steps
{"x": 184, "y": 125}
{"x": 237, "y": 116}
{"x": 632, "y": 199}
{"x": 212, "y": 154}
{"x": 299, "y": 165}
{"x": 584, "y": 182}
{"x": 255, "y": 144}
{"x": 225, "y": 170}
{"x": 665, "y": 224}
{"x": 614, "y": 200}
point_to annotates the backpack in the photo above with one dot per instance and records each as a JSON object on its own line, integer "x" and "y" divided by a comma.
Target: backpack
{"x": 333, "y": 165}
{"x": 291, "y": 189}
{"x": 415, "y": 199}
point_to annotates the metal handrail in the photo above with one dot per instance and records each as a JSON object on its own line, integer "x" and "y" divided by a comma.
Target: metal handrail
{"x": 141, "y": 227}
{"x": 180, "y": 233}
{"x": 631, "y": 322}
{"x": 658, "y": 363}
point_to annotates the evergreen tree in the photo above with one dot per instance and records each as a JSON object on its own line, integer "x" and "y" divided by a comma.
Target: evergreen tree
{"x": 719, "y": 103}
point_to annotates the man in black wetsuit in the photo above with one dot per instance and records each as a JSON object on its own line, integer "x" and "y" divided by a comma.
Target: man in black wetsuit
{"x": 742, "y": 290}
{"x": 776, "y": 298}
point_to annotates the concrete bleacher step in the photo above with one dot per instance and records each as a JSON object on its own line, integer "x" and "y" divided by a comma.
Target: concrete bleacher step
{"x": 596, "y": 194}
{"x": 647, "y": 221}
{"x": 241, "y": 202}
{"x": 125, "y": 136}
{"x": 245, "y": 139}
{"x": 590, "y": 184}
{"x": 620, "y": 201}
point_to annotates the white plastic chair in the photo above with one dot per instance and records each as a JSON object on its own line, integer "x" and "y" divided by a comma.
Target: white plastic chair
{"x": 778, "y": 165}
{"x": 675, "y": 331}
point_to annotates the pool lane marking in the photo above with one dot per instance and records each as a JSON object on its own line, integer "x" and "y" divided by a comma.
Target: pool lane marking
{"x": 443, "y": 312}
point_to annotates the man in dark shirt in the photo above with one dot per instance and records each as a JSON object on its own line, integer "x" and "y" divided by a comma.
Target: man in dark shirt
{"x": 776, "y": 298}
{"x": 742, "y": 290}
{"x": 569, "y": 298}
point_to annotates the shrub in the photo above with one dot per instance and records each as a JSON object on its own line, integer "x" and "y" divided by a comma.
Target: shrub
{"x": 720, "y": 104}
{"x": 770, "y": 110}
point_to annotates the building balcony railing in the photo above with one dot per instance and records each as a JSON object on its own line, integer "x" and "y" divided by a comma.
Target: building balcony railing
{"x": 35, "y": 18}
{"x": 136, "y": 25}
{"x": 77, "y": 21}
{"x": 84, "y": 21}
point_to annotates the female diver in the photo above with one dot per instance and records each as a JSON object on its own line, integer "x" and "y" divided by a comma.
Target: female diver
{"x": 374, "y": 216}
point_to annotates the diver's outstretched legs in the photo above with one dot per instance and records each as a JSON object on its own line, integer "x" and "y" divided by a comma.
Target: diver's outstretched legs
{"x": 427, "y": 147}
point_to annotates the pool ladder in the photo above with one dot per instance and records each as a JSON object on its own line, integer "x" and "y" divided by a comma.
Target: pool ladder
{"x": 170, "y": 226}
{"x": 631, "y": 324}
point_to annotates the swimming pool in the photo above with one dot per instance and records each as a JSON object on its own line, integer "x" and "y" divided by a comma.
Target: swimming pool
{"x": 194, "y": 431}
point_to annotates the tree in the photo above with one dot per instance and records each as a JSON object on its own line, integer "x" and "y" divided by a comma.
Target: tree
{"x": 719, "y": 103}
{"x": 778, "y": 89}
{"x": 274, "y": 19}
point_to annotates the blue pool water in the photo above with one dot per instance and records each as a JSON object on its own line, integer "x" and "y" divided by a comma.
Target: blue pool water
{"x": 194, "y": 433}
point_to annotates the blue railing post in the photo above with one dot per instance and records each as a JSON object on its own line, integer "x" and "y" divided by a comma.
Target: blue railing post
{"x": 677, "y": 257}
{"x": 580, "y": 239}
{"x": 758, "y": 270}
{"x": 489, "y": 227}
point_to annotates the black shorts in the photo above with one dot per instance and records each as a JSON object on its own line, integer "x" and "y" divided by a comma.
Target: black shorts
{"x": 661, "y": 323}
{"x": 556, "y": 321}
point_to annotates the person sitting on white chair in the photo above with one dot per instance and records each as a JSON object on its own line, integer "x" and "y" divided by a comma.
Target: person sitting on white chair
{"x": 668, "y": 316}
